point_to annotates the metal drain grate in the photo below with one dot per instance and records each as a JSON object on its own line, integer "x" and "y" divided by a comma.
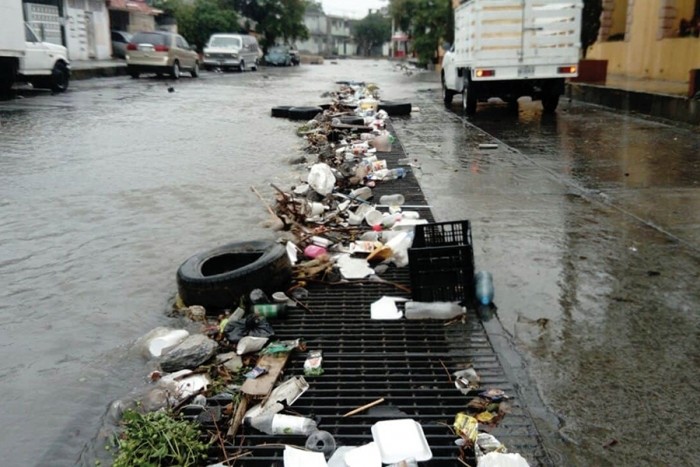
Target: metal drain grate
{"x": 400, "y": 361}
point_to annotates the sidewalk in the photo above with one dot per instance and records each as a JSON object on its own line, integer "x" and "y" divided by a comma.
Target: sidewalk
{"x": 656, "y": 98}
{"x": 85, "y": 69}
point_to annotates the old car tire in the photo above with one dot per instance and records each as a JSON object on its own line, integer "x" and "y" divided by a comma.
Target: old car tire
{"x": 218, "y": 278}
{"x": 60, "y": 77}
{"x": 195, "y": 70}
{"x": 281, "y": 111}
{"x": 304, "y": 113}
{"x": 349, "y": 120}
{"x": 395, "y": 109}
{"x": 175, "y": 70}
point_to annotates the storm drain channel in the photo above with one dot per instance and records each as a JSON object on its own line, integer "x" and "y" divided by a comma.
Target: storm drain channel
{"x": 405, "y": 362}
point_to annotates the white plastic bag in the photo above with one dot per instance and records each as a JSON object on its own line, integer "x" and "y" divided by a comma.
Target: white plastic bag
{"x": 321, "y": 179}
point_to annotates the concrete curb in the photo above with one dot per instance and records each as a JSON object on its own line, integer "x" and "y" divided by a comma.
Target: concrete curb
{"x": 98, "y": 72}
{"x": 670, "y": 107}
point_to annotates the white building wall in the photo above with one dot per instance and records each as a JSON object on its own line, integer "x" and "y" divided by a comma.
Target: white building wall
{"x": 87, "y": 30}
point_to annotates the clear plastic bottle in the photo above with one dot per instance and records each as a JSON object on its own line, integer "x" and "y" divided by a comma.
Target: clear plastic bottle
{"x": 392, "y": 200}
{"x": 484, "y": 287}
{"x": 433, "y": 310}
{"x": 280, "y": 424}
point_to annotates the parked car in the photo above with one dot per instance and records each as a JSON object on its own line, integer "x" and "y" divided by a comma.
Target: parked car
{"x": 161, "y": 53}
{"x": 120, "y": 39}
{"x": 45, "y": 65}
{"x": 278, "y": 56}
{"x": 238, "y": 51}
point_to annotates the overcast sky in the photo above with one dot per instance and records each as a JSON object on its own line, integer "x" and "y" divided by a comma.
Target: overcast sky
{"x": 352, "y": 8}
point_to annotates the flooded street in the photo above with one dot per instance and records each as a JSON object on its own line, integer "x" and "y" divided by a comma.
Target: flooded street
{"x": 589, "y": 222}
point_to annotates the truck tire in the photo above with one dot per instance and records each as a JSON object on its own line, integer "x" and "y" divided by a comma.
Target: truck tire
{"x": 550, "y": 102}
{"x": 447, "y": 94}
{"x": 468, "y": 99}
{"x": 8, "y": 75}
{"x": 220, "y": 277}
{"x": 60, "y": 77}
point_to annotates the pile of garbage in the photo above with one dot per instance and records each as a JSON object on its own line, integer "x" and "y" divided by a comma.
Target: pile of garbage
{"x": 336, "y": 224}
{"x": 228, "y": 372}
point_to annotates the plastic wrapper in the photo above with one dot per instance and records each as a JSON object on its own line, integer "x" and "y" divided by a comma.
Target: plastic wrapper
{"x": 312, "y": 365}
{"x": 466, "y": 427}
{"x": 254, "y": 326}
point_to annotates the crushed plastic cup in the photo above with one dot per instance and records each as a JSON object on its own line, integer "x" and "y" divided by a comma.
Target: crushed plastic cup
{"x": 373, "y": 217}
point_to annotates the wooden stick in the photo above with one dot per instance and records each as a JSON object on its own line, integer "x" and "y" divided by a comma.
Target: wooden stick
{"x": 364, "y": 407}
{"x": 269, "y": 209}
{"x": 448, "y": 373}
{"x": 238, "y": 417}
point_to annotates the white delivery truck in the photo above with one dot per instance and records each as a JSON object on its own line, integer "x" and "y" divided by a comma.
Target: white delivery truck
{"x": 24, "y": 57}
{"x": 512, "y": 48}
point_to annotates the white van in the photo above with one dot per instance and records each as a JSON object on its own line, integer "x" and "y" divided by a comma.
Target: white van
{"x": 239, "y": 51}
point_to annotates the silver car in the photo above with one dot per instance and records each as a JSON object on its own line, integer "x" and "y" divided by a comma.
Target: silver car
{"x": 238, "y": 51}
{"x": 161, "y": 53}
{"x": 120, "y": 39}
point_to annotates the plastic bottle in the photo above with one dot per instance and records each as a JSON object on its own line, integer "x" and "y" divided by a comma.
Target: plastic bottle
{"x": 433, "y": 310}
{"x": 392, "y": 200}
{"x": 321, "y": 441}
{"x": 270, "y": 310}
{"x": 280, "y": 424}
{"x": 363, "y": 193}
{"x": 258, "y": 296}
{"x": 484, "y": 287}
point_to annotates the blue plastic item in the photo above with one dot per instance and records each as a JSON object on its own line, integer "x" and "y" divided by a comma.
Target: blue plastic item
{"x": 484, "y": 287}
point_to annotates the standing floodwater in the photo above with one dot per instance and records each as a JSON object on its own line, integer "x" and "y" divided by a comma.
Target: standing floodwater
{"x": 588, "y": 222}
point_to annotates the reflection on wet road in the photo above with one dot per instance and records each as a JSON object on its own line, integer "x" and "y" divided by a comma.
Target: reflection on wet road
{"x": 589, "y": 222}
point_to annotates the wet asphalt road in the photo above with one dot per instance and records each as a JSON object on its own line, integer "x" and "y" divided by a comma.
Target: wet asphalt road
{"x": 588, "y": 221}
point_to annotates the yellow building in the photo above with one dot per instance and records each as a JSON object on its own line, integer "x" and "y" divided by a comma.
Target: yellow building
{"x": 644, "y": 39}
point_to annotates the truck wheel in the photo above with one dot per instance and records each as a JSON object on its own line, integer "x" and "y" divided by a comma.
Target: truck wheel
{"x": 447, "y": 94}
{"x": 60, "y": 77}
{"x": 550, "y": 102}
{"x": 468, "y": 99}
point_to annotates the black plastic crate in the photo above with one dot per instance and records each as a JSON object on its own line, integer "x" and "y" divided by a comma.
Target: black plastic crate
{"x": 443, "y": 234}
{"x": 442, "y": 274}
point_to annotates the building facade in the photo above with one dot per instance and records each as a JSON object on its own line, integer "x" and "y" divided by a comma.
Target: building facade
{"x": 329, "y": 35}
{"x": 652, "y": 39}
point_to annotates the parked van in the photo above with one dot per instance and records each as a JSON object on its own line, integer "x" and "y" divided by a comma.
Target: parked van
{"x": 239, "y": 51}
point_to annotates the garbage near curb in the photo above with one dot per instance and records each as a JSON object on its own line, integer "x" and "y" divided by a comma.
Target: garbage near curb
{"x": 161, "y": 339}
{"x": 312, "y": 364}
{"x": 284, "y": 395}
{"x": 294, "y": 457}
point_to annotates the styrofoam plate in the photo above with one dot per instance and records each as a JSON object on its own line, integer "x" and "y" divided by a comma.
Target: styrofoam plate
{"x": 400, "y": 439}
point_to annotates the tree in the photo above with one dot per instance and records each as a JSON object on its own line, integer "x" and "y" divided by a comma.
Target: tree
{"x": 590, "y": 23}
{"x": 427, "y": 22}
{"x": 372, "y": 31}
{"x": 275, "y": 19}
{"x": 197, "y": 21}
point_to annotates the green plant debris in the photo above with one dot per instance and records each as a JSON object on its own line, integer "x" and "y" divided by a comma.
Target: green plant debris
{"x": 158, "y": 439}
